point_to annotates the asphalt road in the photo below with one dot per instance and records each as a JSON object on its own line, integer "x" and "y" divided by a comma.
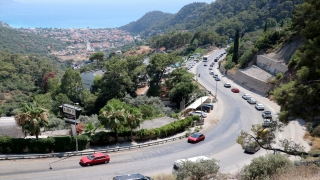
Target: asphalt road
{"x": 220, "y": 143}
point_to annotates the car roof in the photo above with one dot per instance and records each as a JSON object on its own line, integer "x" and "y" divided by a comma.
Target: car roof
{"x": 129, "y": 176}
{"x": 259, "y": 104}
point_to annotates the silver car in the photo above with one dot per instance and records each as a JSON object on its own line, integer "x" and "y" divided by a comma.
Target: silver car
{"x": 251, "y": 101}
{"x": 246, "y": 96}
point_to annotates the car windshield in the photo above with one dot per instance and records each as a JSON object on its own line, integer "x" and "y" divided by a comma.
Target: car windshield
{"x": 267, "y": 112}
{"x": 195, "y": 135}
{"x": 90, "y": 157}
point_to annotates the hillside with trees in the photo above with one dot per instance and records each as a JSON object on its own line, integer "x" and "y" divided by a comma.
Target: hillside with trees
{"x": 15, "y": 41}
{"x": 224, "y": 16}
{"x": 146, "y": 21}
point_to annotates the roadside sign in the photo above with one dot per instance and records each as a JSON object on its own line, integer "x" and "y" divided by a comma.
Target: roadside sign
{"x": 69, "y": 111}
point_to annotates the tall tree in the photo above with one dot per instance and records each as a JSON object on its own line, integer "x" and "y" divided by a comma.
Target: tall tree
{"x": 99, "y": 56}
{"x": 300, "y": 98}
{"x": 31, "y": 118}
{"x": 236, "y": 47}
{"x": 133, "y": 119}
{"x": 113, "y": 115}
{"x": 115, "y": 83}
{"x": 71, "y": 85}
{"x": 158, "y": 63}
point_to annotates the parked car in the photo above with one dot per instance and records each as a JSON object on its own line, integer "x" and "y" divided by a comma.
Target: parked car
{"x": 211, "y": 65}
{"x": 259, "y": 106}
{"x": 209, "y": 104}
{"x": 196, "y": 137}
{"x": 211, "y": 72}
{"x": 205, "y": 64}
{"x": 217, "y": 79}
{"x": 96, "y": 158}
{"x": 235, "y": 90}
{"x": 227, "y": 85}
{"x": 210, "y": 68}
{"x": 204, "y": 108}
{"x": 251, "y": 147}
{"x": 246, "y": 96}
{"x": 198, "y": 113}
{"x": 266, "y": 122}
{"x": 251, "y": 100}
{"x": 216, "y": 75}
{"x": 136, "y": 176}
{"x": 266, "y": 114}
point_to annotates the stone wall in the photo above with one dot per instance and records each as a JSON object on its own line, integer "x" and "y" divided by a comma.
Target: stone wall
{"x": 271, "y": 65}
{"x": 247, "y": 80}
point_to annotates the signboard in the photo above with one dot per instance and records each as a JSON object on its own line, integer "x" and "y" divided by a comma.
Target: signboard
{"x": 69, "y": 111}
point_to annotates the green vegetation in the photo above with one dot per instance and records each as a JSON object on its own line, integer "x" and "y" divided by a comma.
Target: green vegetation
{"x": 264, "y": 167}
{"x": 14, "y": 41}
{"x": 46, "y": 145}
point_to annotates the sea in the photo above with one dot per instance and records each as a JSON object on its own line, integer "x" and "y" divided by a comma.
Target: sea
{"x": 81, "y": 13}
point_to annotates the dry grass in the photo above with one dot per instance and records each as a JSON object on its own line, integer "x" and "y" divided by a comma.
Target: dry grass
{"x": 307, "y": 172}
{"x": 314, "y": 141}
{"x": 165, "y": 177}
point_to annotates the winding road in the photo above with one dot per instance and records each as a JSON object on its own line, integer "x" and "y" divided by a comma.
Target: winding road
{"x": 234, "y": 115}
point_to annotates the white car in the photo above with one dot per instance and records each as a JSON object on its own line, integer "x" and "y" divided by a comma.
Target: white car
{"x": 246, "y": 96}
{"x": 198, "y": 113}
{"x": 251, "y": 101}
{"x": 259, "y": 106}
{"x": 227, "y": 85}
{"x": 211, "y": 72}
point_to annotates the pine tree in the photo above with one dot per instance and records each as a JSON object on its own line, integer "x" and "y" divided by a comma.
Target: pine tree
{"x": 236, "y": 47}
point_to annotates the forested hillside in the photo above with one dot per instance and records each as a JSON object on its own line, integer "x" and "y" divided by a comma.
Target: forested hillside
{"x": 14, "y": 41}
{"x": 224, "y": 16}
{"x": 146, "y": 21}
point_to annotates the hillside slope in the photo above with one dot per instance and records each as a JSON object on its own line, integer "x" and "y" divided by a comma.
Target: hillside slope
{"x": 15, "y": 41}
{"x": 222, "y": 16}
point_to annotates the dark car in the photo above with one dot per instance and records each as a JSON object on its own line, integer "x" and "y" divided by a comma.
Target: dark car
{"x": 196, "y": 137}
{"x": 96, "y": 158}
{"x": 136, "y": 176}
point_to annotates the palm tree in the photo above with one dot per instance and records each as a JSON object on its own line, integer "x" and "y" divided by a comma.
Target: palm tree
{"x": 133, "y": 119}
{"x": 112, "y": 115}
{"x": 31, "y": 118}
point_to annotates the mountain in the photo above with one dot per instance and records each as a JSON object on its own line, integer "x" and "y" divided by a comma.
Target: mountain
{"x": 222, "y": 16}
{"x": 148, "y": 20}
{"x": 15, "y": 41}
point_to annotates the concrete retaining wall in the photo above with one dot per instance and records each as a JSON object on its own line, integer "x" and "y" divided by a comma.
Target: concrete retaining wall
{"x": 271, "y": 65}
{"x": 247, "y": 81}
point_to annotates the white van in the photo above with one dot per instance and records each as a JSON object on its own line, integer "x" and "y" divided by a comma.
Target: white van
{"x": 205, "y": 58}
{"x": 179, "y": 163}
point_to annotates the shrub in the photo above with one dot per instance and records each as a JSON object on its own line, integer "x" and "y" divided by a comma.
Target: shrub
{"x": 316, "y": 131}
{"x": 264, "y": 167}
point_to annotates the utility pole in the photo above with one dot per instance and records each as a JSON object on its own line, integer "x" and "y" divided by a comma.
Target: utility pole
{"x": 75, "y": 126}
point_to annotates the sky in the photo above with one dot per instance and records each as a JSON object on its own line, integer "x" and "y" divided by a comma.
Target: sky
{"x": 91, "y": 13}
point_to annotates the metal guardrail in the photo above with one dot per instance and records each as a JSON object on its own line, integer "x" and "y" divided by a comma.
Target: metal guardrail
{"x": 85, "y": 152}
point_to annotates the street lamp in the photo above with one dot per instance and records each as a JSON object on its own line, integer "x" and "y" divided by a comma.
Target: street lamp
{"x": 75, "y": 125}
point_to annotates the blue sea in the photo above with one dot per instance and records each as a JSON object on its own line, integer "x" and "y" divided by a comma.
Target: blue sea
{"x": 81, "y": 14}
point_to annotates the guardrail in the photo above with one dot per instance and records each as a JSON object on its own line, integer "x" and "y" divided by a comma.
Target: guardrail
{"x": 85, "y": 152}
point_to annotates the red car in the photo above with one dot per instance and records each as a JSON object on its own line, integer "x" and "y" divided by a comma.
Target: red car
{"x": 96, "y": 158}
{"x": 196, "y": 137}
{"x": 235, "y": 90}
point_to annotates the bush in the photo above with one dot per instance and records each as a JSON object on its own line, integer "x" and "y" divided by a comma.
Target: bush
{"x": 45, "y": 145}
{"x": 229, "y": 64}
{"x": 316, "y": 131}
{"x": 264, "y": 167}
